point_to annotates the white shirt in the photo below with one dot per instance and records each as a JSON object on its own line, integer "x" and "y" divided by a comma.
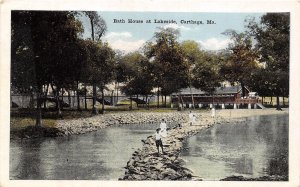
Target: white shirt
{"x": 157, "y": 136}
{"x": 163, "y": 129}
{"x": 213, "y": 112}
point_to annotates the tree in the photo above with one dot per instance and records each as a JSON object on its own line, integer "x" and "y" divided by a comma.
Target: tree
{"x": 49, "y": 36}
{"x": 167, "y": 58}
{"x": 192, "y": 51}
{"x": 100, "y": 66}
{"x": 272, "y": 37}
{"x": 22, "y": 64}
{"x": 206, "y": 73}
{"x": 98, "y": 29}
{"x": 241, "y": 59}
{"x": 204, "y": 67}
{"x": 137, "y": 75}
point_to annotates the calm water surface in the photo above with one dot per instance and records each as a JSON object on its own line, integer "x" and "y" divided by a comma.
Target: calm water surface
{"x": 255, "y": 148}
{"x": 97, "y": 155}
{"x": 258, "y": 147}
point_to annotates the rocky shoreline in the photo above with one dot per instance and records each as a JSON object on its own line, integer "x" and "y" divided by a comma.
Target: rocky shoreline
{"x": 146, "y": 164}
{"x": 80, "y": 126}
{"x": 85, "y": 125}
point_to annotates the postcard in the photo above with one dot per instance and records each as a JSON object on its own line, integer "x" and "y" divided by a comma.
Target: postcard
{"x": 149, "y": 93}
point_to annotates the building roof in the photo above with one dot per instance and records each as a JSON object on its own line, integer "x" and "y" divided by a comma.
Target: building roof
{"x": 219, "y": 90}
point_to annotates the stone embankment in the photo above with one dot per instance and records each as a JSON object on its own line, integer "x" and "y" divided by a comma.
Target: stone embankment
{"x": 146, "y": 164}
{"x": 84, "y": 125}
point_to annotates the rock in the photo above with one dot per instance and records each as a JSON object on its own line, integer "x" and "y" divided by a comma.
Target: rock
{"x": 146, "y": 159}
{"x": 159, "y": 166}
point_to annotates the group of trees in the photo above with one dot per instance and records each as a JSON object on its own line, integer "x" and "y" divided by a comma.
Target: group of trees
{"x": 272, "y": 37}
{"x": 48, "y": 50}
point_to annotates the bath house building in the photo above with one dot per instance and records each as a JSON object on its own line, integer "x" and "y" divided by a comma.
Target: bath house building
{"x": 223, "y": 97}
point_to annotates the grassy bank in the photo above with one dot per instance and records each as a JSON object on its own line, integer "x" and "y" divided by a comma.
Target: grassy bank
{"x": 18, "y": 123}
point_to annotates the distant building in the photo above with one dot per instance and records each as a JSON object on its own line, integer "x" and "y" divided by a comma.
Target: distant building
{"x": 231, "y": 95}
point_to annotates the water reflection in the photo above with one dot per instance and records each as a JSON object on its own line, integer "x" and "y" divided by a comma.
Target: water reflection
{"x": 97, "y": 155}
{"x": 255, "y": 148}
{"x": 243, "y": 165}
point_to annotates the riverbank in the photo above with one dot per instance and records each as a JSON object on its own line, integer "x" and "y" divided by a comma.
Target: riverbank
{"x": 146, "y": 164}
{"x": 77, "y": 126}
{"x": 83, "y": 125}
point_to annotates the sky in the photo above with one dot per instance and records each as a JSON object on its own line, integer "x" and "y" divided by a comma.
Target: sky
{"x": 129, "y": 37}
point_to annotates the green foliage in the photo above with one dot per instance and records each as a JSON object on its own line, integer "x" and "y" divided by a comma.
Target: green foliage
{"x": 100, "y": 63}
{"x": 206, "y": 73}
{"x": 203, "y": 67}
{"x": 241, "y": 60}
{"x": 137, "y": 74}
{"x": 269, "y": 83}
{"x": 43, "y": 45}
{"x": 272, "y": 35}
{"x": 167, "y": 58}
{"x": 192, "y": 51}
{"x": 49, "y": 40}
{"x": 98, "y": 25}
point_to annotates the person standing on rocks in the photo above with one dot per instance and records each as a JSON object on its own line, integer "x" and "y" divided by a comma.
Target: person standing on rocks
{"x": 158, "y": 141}
{"x": 163, "y": 128}
{"x": 192, "y": 118}
{"x": 213, "y": 112}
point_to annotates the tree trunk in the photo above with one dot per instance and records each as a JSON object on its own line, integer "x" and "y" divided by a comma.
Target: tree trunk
{"x": 78, "y": 98}
{"x": 54, "y": 95}
{"x": 92, "y": 26}
{"x": 46, "y": 94}
{"x": 178, "y": 102}
{"x": 85, "y": 102}
{"x": 243, "y": 89}
{"x": 130, "y": 102}
{"x": 112, "y": 98}
{"x": 58, "y": 103}
{"x": 69, "y": 97}
{"x": 38, "y": 121}
{"x": 181, "y": 101}
{"x": 117, "y": 99}
{"x": 166, "y": 101}
{"x": 94, "y": 110}
{"x": 103, "y": 101}
{"x": 158, "y": 97}
{"x": 147, "y": 103}
{"x": 74, "y": 97}
{"x": 271, "y": 102}
{"x": 31, "y": 102}
{"x": 283, "y": 102}
{"x": 62, "y": 99}
{"x": 277, "y": 103}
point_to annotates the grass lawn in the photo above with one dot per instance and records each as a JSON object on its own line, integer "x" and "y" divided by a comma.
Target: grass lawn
{"x": 17, "y": 123}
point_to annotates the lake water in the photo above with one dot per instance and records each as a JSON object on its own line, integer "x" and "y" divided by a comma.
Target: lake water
{"x": 100, "y": 155}
{"x": 256, "y": 148}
